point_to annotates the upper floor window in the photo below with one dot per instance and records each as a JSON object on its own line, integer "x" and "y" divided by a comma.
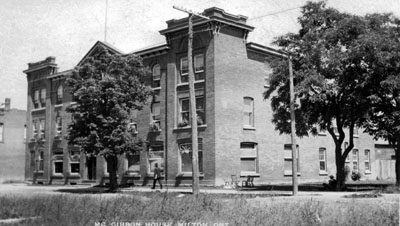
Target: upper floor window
{"x": 132, "y": 127}
{"x": 156, "y": 115}
{"x": 156, "y": 75}
{"x": 42, "y": 128}
{"x": 184, "y": 116}
{"x": 42, "y": 98}
{"x": 58, "y": 127}
{"x": 248, "y": 112}
{"x": 355, "y": 159}
{"x": 198, "y": 68}
{"x": 355, "y": 132}
{"x": 1, "y": 132}
{"x": 59, "y": 94}
{"x": 36, "y": 101}
{"x": 35, "y": 131}
{"x": 24, "y": 133}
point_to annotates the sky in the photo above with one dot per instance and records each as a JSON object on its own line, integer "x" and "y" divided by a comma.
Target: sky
{"x": 31, "y": 30}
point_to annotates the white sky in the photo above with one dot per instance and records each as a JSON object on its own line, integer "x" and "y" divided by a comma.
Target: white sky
{"x": 31, "y": 30}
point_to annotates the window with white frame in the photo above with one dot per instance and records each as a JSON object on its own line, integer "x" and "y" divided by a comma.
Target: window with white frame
{"x": 367, "y": 161}
{"x": 198, "y": 63}
{"x": 156, "y": 76}
{"x": 36, "y": 99}
{"x": 132, "y": 128}
{"x": 42, "y": 128}
{"x": 184, "y": 107}
{"x": 156, "y": 116}
{"x": 287, "y": 155}
{"x": 58, "y": 164}
{"x": 248, "y": 158}
{"x": 198, "y": 68}
{"x": 155, "y": 156}
{"x": 322, "y": 161}
{"x": 58, "y": 126}
{"x": 248, "y": 112}
{"x": 74, "y": 162}
{"x": 59, "y": 94}
{"x": 35, "y": 130}
{"x": 43, "y": 98}
{"x": 355, "y": 132}
{"x": 185, "y": 154}
{"x": 354, "y": 155}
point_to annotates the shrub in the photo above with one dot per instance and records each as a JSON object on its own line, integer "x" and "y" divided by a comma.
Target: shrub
{"x": 355, "y": 175}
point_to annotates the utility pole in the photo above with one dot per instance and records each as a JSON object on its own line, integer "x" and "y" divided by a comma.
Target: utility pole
{"x": 105, "y": 22}
{"x": 193, "y": 113}
{"x": 293, "y": 129}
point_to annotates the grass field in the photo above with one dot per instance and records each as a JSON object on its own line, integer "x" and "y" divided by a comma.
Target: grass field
{"x": 85, "y": 209}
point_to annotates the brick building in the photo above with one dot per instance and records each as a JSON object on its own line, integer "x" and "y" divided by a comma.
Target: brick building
{"x": 12, "y": 142}
{"x": 236, "y": 136}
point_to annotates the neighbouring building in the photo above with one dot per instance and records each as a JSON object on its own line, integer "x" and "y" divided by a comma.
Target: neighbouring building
{"x": 236, "y": 135}
{"x": 12, "y": 142}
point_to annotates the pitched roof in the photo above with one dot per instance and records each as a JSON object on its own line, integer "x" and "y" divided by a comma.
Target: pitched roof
{"x": 98, "y": 44}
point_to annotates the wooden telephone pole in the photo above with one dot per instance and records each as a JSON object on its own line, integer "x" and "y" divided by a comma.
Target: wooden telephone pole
{"x": 193, "y": 113}
{"x": 293, "y": 129}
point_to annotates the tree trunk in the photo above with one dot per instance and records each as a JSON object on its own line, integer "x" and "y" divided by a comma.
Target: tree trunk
{"x": 397, "y": 156}
{"x": 340, "y": 169}
{"x": 112, "y": 162}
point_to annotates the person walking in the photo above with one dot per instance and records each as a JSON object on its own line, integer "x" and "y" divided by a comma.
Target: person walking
{"x": 157, "y": 176}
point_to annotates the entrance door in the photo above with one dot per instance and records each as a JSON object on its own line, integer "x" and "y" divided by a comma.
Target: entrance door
{"x": 91, "y": 168}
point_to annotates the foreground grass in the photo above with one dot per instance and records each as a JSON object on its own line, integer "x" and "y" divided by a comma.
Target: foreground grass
{"x": 70, "y": 209}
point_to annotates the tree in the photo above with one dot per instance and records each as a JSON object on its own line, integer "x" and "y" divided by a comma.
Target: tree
{"x": 331, "y": 76}
{"x": 106, "y": 91}
{"x": 382, "y": 49}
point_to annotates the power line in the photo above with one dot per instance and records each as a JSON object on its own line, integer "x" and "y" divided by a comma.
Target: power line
{"x": 275, "y": 13}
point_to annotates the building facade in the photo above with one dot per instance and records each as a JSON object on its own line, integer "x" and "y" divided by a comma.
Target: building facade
{"x": 236, "y": 135}
{"x": 12, "y": 142}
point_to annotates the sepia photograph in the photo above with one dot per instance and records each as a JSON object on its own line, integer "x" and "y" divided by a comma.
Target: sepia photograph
{"x": 199, "y": 112}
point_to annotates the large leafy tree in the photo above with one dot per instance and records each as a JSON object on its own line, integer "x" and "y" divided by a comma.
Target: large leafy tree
{"x": 333, "y": 80}
{"x": 107, "y": 89}
{"x": 381, "y": 48}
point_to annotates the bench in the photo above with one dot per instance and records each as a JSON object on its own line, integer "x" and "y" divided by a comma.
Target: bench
{"x": 248, "y": 182}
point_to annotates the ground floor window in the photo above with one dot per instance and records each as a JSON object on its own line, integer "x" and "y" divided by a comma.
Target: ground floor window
{"x": 58, "y": 164}
{"x": 74, "y": 162}
{"x": 288, "y": 159}
{"x": 248, "y": 158}
{"x": 185, "y": 152}
{"x": 155, "y": 156}
{"x": 367, "y": 161}
{"x": 322, "y": 161}
{"x": 133, "y": 162}
{"x": 39, "y": 161}
{"x": 355, "y": 159}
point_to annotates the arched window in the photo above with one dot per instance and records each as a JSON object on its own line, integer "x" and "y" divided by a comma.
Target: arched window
{"x": 59, "y": 94}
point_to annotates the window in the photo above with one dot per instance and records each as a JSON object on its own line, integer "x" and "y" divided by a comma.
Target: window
{"x": 36, "y": 99}
{"x": 43, "y": 98}
{"x": 367, "y": 161}
{"x": 58, "y": 127}
{"x": 348, "y": 156}
{"x": 155, "y": 115}
{"x": 185, "y": 151}
{"x": 248, "y": 112}
{"x": 156, "y": 74}
{"x": 355, "y": 159}
{"x": 35, "y": 130}
{"x": 287, "y": 155}
{"x": 58, "y": 164}
{"x": 74, "y": 162}
{"x": 355, "y": 132}
{"x": 42, "y": 129}
{"x": 1, "y": 132}
{"x": 198, "y": 63}
{"x": 184, "y": 70}
{"x": 39, "y": 162}
{"x": 248, "y": 158}
{"x": 59, "y": 94}
{"x": 198, "y": 68}
{"x": 184, "y": 116}
{"x": 133, "y": 162}
{"x": 322, "y": 161}
{"x": 155, "y": 155}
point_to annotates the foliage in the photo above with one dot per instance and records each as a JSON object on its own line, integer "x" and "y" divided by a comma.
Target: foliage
{"x": 333, "y": 77}
{"x": 82, "y": 209}
{"x": 355, "y": 175}
{"x": 106, "y": 90}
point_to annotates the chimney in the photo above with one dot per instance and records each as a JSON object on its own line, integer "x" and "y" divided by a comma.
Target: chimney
{"x": 7, "y": 104}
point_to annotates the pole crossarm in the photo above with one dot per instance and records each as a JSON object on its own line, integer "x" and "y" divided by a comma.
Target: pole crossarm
{"x": 190, "y": 12}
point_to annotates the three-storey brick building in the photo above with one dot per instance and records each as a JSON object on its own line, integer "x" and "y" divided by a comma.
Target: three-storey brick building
{"x": 236, "y": 136}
